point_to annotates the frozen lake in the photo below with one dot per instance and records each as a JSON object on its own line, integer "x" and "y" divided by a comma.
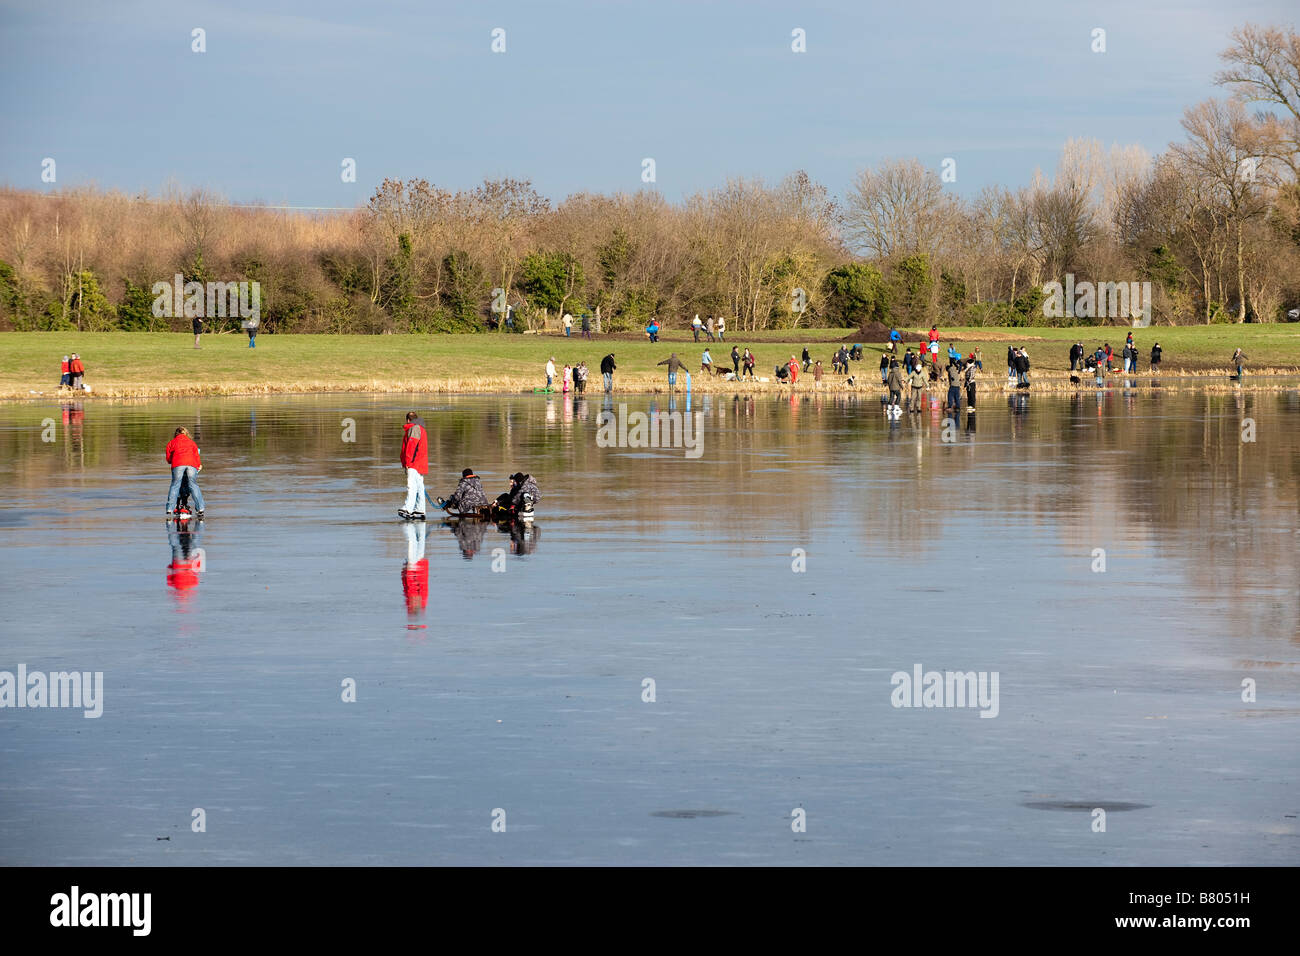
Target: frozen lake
{"x": 770, "y": 588}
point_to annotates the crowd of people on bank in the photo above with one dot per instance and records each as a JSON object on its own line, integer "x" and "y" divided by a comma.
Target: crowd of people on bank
{"x": 928, "y": 359}
{"x": 1102, "y": 359}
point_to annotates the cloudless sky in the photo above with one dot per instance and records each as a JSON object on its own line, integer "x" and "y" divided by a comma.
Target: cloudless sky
{"x": 111, "y": 90}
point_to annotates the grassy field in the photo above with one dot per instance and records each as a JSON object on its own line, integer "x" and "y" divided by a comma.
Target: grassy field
{"x": 159, "y": 364}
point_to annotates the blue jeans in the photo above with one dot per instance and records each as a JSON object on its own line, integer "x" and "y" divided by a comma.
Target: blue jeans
{"x": 609, "y": 380}
{"x": 184, "y": 473}
{"x": 672, "y": 378}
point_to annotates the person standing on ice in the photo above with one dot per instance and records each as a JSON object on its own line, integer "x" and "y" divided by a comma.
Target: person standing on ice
{"x": 415, "y": 460}
{"x": 183, "y": 456}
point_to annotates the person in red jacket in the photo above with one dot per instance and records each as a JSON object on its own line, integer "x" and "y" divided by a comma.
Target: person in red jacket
{"x": 415, "y": 459}
{"x": 65, "y": 376}
{"x": 183, "y": 456}
{"x": 794, "y": 370}
{"x": 77, "y": 369}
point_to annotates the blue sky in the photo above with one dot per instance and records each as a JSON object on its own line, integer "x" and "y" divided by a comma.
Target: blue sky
{"x": 585, "y": 91}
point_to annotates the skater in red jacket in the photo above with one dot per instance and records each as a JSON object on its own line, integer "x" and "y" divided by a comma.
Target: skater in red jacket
{"x": 183, "y": 456}
{"x": 415, "y": 459}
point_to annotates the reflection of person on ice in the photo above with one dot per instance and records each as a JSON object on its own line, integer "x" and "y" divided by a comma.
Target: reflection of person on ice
{"x": 415, "y": 572}
{"x": 415, "y": 460}
{"x": 187, "y": 562}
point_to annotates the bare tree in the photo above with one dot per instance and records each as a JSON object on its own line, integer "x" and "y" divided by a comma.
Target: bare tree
{"x": 899, "y": 209}
{"x": 1264, "y": 67}
{"x": 1225, "y": 148}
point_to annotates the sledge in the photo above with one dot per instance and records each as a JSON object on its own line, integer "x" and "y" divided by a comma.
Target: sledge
{"x": 489, "y": 513}
{"x": 480, "y": 514}
{"x": 493, "y": 512}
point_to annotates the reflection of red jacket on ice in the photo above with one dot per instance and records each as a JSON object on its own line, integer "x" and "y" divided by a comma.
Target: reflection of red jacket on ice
{"x": 415, "y": 585}
{"x": 415, "y": 447}
{"x": 181, "y": 450}
{"x": 183, "y": 577}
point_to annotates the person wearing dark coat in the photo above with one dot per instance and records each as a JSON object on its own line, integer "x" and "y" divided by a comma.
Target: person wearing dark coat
{"x": 513, "y": 502}
{"x": 607, "y": 367}
{"x": 1022, "y": 367}
{"x": 895, "y": 384}
{"x": 468, "y": 496}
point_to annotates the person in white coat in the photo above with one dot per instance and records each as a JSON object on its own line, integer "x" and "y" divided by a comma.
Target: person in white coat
{"x": 550, "y": 371}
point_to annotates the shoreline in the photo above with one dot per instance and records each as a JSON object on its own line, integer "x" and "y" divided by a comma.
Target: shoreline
{"x": 1262, "y": 380}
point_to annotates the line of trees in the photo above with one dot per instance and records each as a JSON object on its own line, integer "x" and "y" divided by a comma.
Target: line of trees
{"x": 1213, "y": 224}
